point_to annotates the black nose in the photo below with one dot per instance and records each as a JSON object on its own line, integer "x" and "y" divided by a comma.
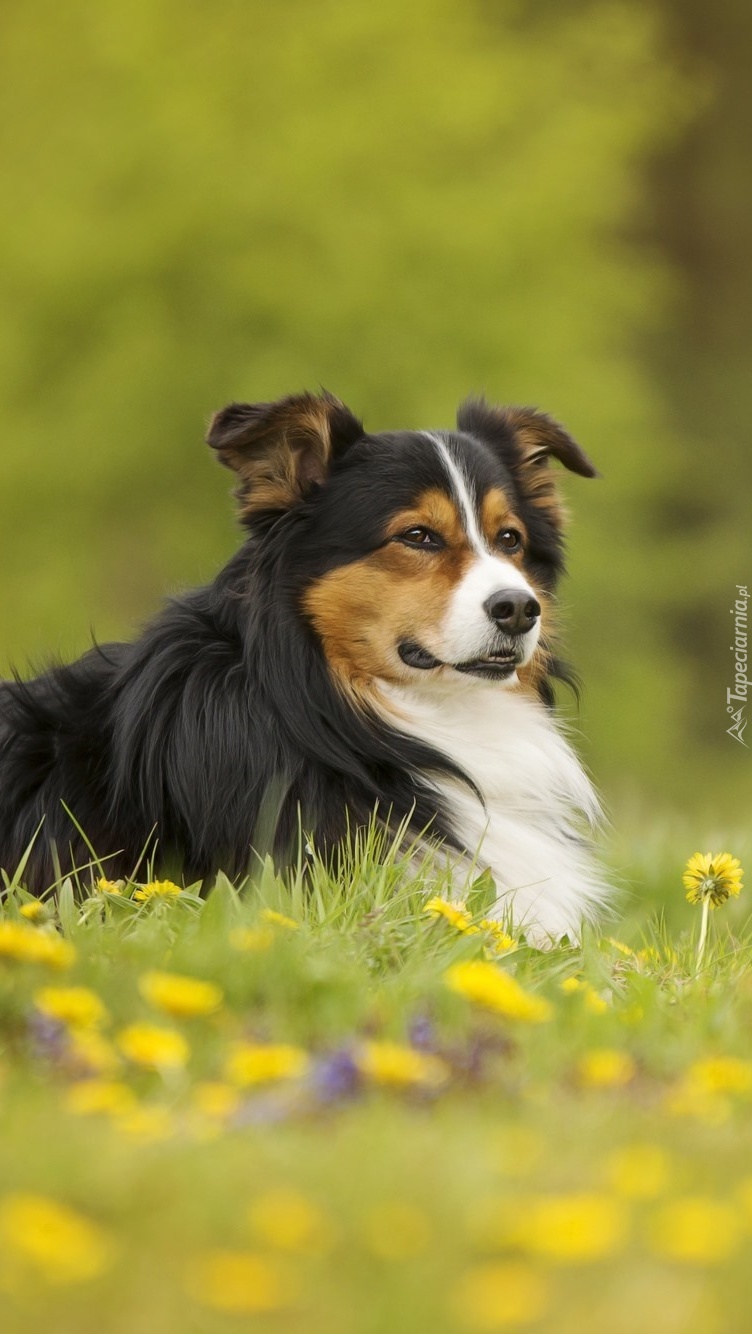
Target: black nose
{"x": 514, "y": 611}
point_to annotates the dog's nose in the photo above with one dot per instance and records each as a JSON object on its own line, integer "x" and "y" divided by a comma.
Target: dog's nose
{"x": 513, "y": 610}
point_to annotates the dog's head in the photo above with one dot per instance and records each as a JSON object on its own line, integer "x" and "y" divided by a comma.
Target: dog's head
{"x": 417, "y": 554}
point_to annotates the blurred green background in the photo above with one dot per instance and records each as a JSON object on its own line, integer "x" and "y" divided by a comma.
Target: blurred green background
{"x": 548, "y": 202}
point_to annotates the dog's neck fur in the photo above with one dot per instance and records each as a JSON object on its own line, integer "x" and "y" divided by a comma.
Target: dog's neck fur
{"x": 538, "y": 804}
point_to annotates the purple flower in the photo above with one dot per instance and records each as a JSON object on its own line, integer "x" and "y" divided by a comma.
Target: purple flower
{"x": 335, "y": 1077}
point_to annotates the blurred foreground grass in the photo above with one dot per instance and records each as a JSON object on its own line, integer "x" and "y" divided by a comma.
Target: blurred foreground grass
{"x": 340, "y": 1111}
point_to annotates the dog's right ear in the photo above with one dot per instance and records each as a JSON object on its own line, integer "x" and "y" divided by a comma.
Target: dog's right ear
{"x": 281, "y": 451}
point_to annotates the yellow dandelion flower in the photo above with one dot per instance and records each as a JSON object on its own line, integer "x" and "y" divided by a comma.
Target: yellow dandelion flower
{"x": 286, "y": 1220}
{"x": 592, "y": 1000}
{"x": 153, "y": 1047}
{"x": 89, "y": 1051}
{"x": 720, "y": 1074}
{"x": 146, "y": 1125}
{"x": 261, "y": 1063}
{"x": 486, "y": 985}
{"x": 157, "y": 889}
{"x": 605, "y": 1068}
{"x": 29, "y": 944}
{"x": 278, "y": 919}
{"x": 215, "y": 1100}
{"x": 393, "y": 1063}
{"x": 455, "y": 914}
{"x": 182, "y": 997}
{"x": 95, "y": 1097}
{"x": 34, "y": 912}
{"x": 577, "y": 1228}
{"x": 695, "y": 1230}
{"x": 56, "y": 1242}
{"x": 494, "y": 1296}
{"x": 397, "y": 1230}
{"x": 638, "y": 1171}
{"x": 500, "y": 941}
{"x": 240, "y": 1282}
{"x": 78, "y": 1007}
{"x": 713, "y": 877}
{"x": 252, "y": 940}
{"x": 109, "y": 886}
{"x": 697, "y": 1103}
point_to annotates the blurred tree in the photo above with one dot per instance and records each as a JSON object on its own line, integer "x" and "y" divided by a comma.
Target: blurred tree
{"x": 404, "y": 203}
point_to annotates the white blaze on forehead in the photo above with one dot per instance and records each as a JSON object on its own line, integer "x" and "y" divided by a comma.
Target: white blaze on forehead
{"x": 461, "y": 491}
{"x": 467, "y": 630}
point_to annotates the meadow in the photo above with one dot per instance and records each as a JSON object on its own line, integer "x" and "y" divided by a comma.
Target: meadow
{"x": 353, "y": 1104}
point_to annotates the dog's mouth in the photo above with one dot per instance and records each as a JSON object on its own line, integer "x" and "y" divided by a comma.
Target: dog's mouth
{"x": 491, "y": 666}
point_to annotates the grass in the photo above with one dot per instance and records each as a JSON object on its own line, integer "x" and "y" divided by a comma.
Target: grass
{"x": 334, "y": 1135}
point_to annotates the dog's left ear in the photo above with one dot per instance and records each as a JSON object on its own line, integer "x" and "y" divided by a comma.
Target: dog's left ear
{"x": 524, "y": 437}
{"x": 281, "y": 451}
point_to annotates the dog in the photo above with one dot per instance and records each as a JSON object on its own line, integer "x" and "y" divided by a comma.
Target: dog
{"x": 381, "y": 642}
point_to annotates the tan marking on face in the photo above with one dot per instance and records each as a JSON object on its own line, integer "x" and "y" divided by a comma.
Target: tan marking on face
{"x": 497, "y": 513}
{"x": 362, "y": 611}
{"x": 532, "y": 675}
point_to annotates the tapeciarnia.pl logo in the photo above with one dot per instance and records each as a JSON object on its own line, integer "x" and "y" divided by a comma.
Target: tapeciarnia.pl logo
{"x": 737, "y": 695}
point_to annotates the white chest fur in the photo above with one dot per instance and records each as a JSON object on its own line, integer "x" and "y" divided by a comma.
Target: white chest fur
{"x": 538, "y": 804}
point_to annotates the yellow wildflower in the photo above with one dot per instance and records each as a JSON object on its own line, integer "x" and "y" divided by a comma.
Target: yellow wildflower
{"x": 34, "y": 912}
{"x": 28, "y": 944}
{"x": 720, "y": 1074}
{"x": 576, "y": 1228}
{"x": 261, "y": 1063}
{"x": 493, "y": 1296}
{"x": 711, "y": 876}
{"x": 251, "y": 939}
{"x": 239, "y": 1282}
{"x": 397, "y": 1230}
{"x": 286, "y": 1220}
{"x": 182, "y": 997}
{"x": 278, "y": 919}
{"x": 695, "y": 1230}
{"x": 157, "y": 889}
{"x": 605, "y": 1067}
{"x": 153, "y": 1047}
{"x": 109, "y": 886}
{"x": 638, "y": 1171}
{"x": 394, "y": 1063}
{"x": 455, "y": 914}
{"x": 58, "y": 1243}
{"x": 79, "y": 1007}
{"x": 147, "y": 1125}
{"x": 215, "y": 1100}
{"x": 500, "y": 941}
{"x": 92, "y": 1097}
{"x": 496, "y": 990}
{"x": 592, "y": 1000}
{"x": 699, "y": 1103}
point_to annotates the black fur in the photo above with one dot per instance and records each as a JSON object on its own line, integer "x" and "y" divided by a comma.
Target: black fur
{"x": 221, "y": 730}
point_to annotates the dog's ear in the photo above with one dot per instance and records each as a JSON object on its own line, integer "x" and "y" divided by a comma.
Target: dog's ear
{"x": 282, "y": 450}
{"x": 524, "y": 437}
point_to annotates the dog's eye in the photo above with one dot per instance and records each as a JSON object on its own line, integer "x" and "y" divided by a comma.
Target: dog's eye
{"x": 421, "y": 537}
{"x": 509, "y": 539}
